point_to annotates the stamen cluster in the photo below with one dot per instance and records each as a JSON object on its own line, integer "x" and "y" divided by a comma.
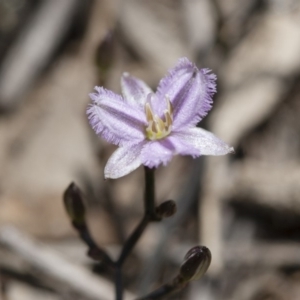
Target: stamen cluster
{"x": 159, "y": 128}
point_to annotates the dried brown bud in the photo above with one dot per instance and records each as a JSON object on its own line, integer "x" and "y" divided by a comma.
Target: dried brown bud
{"x": 196, "y": 263}
{"x": 166, "y": 209}
{"x": 73, "y": 201}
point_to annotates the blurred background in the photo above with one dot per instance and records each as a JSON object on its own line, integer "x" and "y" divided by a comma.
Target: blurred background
{"x": 244, "y": 207}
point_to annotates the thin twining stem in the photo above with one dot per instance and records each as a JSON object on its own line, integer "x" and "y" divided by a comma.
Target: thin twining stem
{"x": 74, "y": 204}
{"x": 149, "y": 216}
{"x": 166, "y": 290}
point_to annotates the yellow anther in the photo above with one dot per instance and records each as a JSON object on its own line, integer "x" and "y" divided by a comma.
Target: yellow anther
{"x": 149, "y": 113}
{"x": 160, "y": 123}
{"x": 169, "y": 105}
{"x": 168, "y": 118}
{"x": 154, "y": 127}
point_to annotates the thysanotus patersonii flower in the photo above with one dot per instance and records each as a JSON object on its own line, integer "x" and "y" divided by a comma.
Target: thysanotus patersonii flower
{"x": 150, "y": 128}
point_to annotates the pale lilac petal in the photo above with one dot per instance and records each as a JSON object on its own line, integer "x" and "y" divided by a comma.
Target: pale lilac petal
{"x": 134, "y": 90}
{"x": 204, "y": 141}
{"x": 123, "y": 121}
{"x": 155, "y": 153}
{"x": 190, "y": 91}
{"x": 115, "y": 120}
{"x": 161, "y": 151}
{"x": 181, "y": 146}
{"x": 123, "y": 161}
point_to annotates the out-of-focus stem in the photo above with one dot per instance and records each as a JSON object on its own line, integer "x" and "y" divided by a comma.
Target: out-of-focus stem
{"x": 74, "y": 204}
{"x": 132, "y": 240}
{"x": 195, "y": 264}
{"x": 166, "y": 290}
{"x": 119, "y": 283}
{"x": 149, "y": 197}
{"x": 149, "y": 215}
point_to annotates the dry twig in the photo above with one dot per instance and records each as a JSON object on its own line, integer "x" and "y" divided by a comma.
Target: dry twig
{"x": 55, "y": 265}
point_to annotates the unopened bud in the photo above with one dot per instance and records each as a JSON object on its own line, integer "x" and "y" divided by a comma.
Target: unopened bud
{"x": 73, "y": 201}
{"x": 166, "y": 209}
{"x": 196, "y": 263}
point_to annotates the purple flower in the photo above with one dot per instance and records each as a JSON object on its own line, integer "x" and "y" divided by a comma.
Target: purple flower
{"x": 150, "y": 128}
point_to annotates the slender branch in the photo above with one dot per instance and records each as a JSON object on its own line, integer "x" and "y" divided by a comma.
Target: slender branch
{"x": 74, "y": 204}
{"x": 94, "y": 251}
{"x": 150, "y": 195}
{"x": 166, "y": 289}
{"x": 119, "y": 284}
{"x": 161, "y": 292}
{"x": 149, "y": 215}
{"x": 184, "y": 202}
{"x": 132, "y": 240}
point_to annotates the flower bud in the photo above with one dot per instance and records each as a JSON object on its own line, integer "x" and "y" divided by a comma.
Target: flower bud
{"x": 196, "y": 263}
{"x": 73, "y": 201}
{"x": 166, "y": 209}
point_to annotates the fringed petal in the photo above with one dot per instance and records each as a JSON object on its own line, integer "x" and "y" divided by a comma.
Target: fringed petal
{"x": 123, "y": 161}
{"x": 134, "y": 90}
{"x": 190, "y": 91}
{"x": 115, "y": 120}
{"x": 157, "y": 152}
{"x": 204, "y": 141}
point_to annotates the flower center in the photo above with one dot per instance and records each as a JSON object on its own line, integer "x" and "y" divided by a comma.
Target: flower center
{"x": 158, "y": 128}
